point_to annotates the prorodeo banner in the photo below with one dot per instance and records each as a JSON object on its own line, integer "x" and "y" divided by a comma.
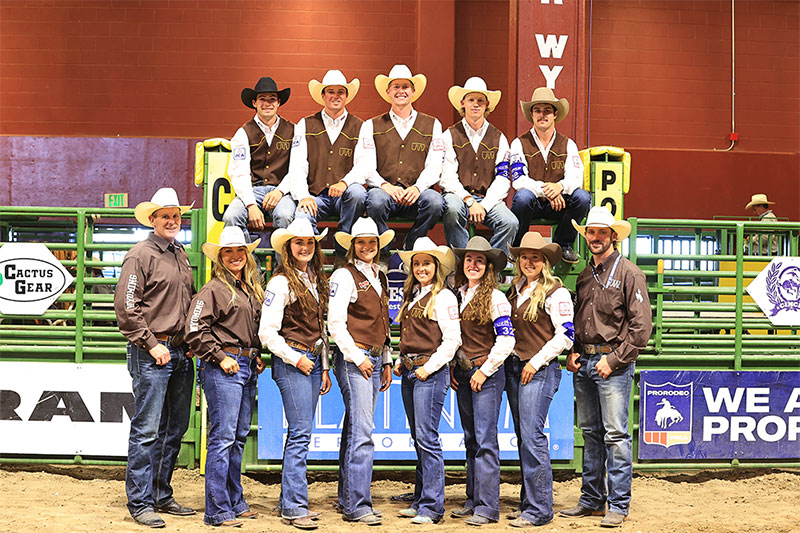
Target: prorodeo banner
{"x": 719, "y": 415}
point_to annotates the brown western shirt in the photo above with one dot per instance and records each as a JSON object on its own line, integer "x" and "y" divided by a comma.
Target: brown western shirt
{"x": 269, "y": 163}
{"x": 475, "y": 169}
{"x": 419, "y": 334}
{"x": 551, "y": 171}
{"x": 531, "y": 335}
{"x": 329, "y": 163}
{"x": 400, "y": 161}
{"x": 368, "y": 316}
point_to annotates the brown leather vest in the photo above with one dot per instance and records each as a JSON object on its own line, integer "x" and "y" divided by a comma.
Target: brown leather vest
{"x": 475, "y": 170}
{"x": 400, "y": 161}
{"x": 329, "y": 163}
{"x": 530, "y": 336}
{"x": 476, "y": 339}
{"x": 269, "y": 164}
{"x": 553, "y": 170}
{"x": 418, "y": 334}
{"x": 368, "y": 316}
{"x": 302, "y": 325}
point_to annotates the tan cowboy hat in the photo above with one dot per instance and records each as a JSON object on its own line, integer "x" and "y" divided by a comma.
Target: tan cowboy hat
{"x": 758, "y": 199}
{"x": 333, "y": 77}
{"x": 545, "y": 95}
{"x": 400, "y": 72}
{"x": 479, "y": 244}
{"x": 424, "y": 245}
{"x": 165, "y": 197}
{"x": 231, "y": 237}
{"x": 533, "y": 240}
{"x": 363, "y": 227}
{"x": 600, "y": 216}
{"x": 300, "y": 227}
{"x": 473, "y": 85}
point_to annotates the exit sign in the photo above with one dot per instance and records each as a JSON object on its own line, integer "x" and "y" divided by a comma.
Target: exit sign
{"x": 119, "y": 199}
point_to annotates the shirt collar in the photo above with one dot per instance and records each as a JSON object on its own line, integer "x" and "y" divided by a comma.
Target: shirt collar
{"x": 765, "y": 213}
{"x": 480, "y": 132}
{"x": 422, "y": 291}
{"x": 266, "y": 128}
{"x": 330, "y": 121}
{"x": 364, "y": 267}
{"x": 404, "y": 121}
{"x": 539, "y": 141}
{"x": 163, "y": 243}
{"x": 607, "y": 262}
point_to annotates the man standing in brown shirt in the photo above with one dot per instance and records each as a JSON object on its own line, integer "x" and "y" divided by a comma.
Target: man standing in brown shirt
{"x": 613, "y": 322}
{"x": 152, "y": 301}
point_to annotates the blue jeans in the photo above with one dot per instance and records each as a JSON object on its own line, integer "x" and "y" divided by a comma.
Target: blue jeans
{"x": 526, "y": 206}
{"x": 230, "y": 412}
{"x": 423, "y": 401}
{"x": 479, "y": 412}
{"x": 356, "y": 448}
{"x": 299, "y": 394}
{"x": 499, "y": 219}
{"x": 348, "y": 207}
{"x": 602, "y": 406}
{"x": 282, "y": 215}
{"x": 426, "y": 212}
{"x": 162, "y": 400}
{"x": 529, "y": 406}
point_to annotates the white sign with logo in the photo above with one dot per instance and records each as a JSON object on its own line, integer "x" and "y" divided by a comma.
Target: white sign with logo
{"x": 65, "y": 408}
{"x": 31, "y": 279}
{"x": 776, "y": 290}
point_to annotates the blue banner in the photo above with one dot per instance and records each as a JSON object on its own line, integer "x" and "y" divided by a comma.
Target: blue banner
{"x": 719, "y": 415}
{"x": 391, "y": 434}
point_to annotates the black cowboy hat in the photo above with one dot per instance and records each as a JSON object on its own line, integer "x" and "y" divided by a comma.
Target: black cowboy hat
{"x": 264, "y": 85}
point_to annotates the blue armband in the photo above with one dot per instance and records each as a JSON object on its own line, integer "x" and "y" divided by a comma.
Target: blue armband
{"x": 570, "y": 330}
{"x": 517, "y": 170}
{"x": 502, "y": 326}
{"x": 501, "y": 170}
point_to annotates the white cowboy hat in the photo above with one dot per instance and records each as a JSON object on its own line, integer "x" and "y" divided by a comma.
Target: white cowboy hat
{"x": 333, "y": 77}
{"x": 363, "y": 227}
{"x": 300, "y": 227}
{"x": 545, "y": 95}
{"x": 473, "y": 85}
{"x": 424, "y": 245}
{"x": 479, "y": 244}
{"x": 533, "y": 240}
{"x": 164, "y": 197}
{"x": 600, "y": 216}
{"x": 758, "y": 199}
{"x": 400, "y": 72}
{"x": 230, "y": 237}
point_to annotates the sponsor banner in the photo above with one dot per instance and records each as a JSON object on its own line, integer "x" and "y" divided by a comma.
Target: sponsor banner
{"x": 776, "y": 290}
{"x": 391, "y": 434}
{"x": 396, "y": 276}
{"x": 719, "y": 415}
{"x": 31, "y": 278}
{"x": 65, "y": 408}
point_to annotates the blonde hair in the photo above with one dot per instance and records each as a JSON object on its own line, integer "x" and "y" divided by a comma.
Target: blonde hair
{"x": 479, "y": 308}
{"x": 411, "y": 282}
{"x": 251, "y": 277}
{"x": 288, "y": 269}
{"x": 547, "y": 281}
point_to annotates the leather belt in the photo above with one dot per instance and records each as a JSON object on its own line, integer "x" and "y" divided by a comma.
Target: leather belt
{"x": 250, "y": 353}
{"x": 374, "y": 351}
{"x": 468, "y": 364}
{"x": 174, "y": 340}
{"x": 594, "y": 349}
{"x": 411, "y": 360}
{"x": 314, "y": 350}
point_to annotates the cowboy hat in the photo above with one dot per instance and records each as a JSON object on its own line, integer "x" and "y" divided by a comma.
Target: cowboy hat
{"x": 363, "y": 227}
{"x": 758, "y": 199}
{"x": 230, "y": 237}
{"x": 533, "y": 240}
{"x": 300, "y": 227}
{"x": 164, "y": 197}
{"x": 479, "y": 244}
{"x": 600, "y": 216}
{"x": 473, "y": 85}
{"x": 424, "y": 245}
{"x": 400, "y": 72}
{"x": 264, "y": 85}
{"x": 545, "y": 95}
{"x": 333, "y": 77}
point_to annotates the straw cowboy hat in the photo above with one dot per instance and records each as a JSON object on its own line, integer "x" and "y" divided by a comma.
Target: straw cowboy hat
{"x": 534, "y": 241}
{"x": 479, "y": 244}
{"x": 300, "y": 227}
{"x": 758, "y": 199}
{"x": 264, "y": 85}
{"x": 545, "y": 95}
{"x": 424, "y": 245}
{"x": 333, "y": 77}
{"x": 600, "y": 216}
{"x": 231, "y": 237}
{"x": 400, "y": 72}
{"x": 363, "y": 227}
{"x": 164, "y": 197}
{"x": 473, "y": 85}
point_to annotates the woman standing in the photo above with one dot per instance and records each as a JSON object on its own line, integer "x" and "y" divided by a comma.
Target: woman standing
{"x": 223, "y": 331}
{"x": 478, "y": 377}
{"x": 429, "y": 338}
{"x": 293, "y": 329}
{"x": 358, "y": 319}
{"x": 542, "y": 316}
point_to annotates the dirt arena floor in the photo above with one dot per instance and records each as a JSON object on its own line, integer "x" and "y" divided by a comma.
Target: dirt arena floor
{"x": 88, "y": 499}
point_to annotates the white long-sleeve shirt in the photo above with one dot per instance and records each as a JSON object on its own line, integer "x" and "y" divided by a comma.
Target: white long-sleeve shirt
{"x": 239, "y": 163}
{"x": 503, "y": 344}
{"x": 573, "y": 166}
{"x": 445, "y": 313}
{"x": 498, "y": 190}
{"x": 366, "y": 160}
{"x": 559, "y": 307}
